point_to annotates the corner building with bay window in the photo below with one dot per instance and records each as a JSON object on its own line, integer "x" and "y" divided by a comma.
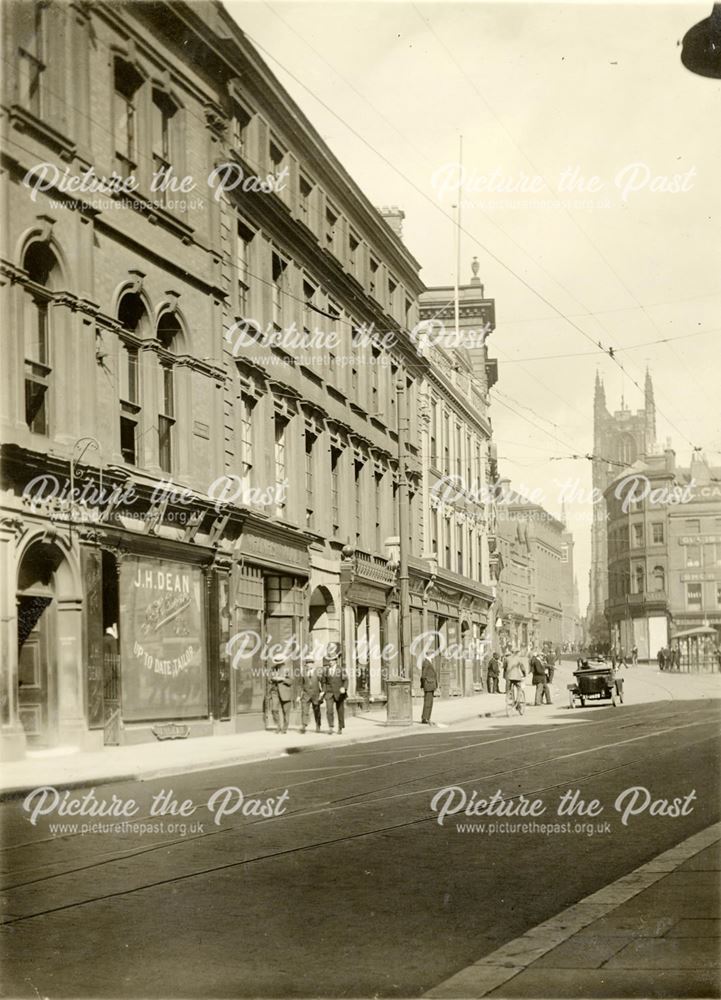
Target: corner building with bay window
{"x": 184, "y": 484}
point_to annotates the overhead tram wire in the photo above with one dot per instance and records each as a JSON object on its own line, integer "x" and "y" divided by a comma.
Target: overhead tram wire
{"x": 610, "y": 351}
{"x": 493, "y": 256}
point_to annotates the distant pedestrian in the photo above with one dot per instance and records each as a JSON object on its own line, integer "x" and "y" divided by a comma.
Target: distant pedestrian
{"x": 494, "y": 670}
{"x": 311, "y": 696}
{"x": 675, "y": 658}
{"x": 634, "y": 656}
{"x": 334, "y": 680}
{"x": 281, "y": 689}
{"x": 429, "y": 683}
{"x": 551, "y": 661}
{"x": 661, "y": 656}
{"x": 539, "y": 678}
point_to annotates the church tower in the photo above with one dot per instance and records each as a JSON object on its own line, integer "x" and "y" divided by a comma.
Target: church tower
{"x": 620, "y": 439}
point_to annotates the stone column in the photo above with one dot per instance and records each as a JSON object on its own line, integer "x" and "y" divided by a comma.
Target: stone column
{"x": 12, "y": 734}
{"x": 72, "y": 728}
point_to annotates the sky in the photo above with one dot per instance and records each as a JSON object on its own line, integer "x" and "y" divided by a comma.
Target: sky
{"x": 616, "y": 237}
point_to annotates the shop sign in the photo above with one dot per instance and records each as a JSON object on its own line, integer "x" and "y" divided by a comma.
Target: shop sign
{"x": 163, "y": 663}
{"x": 273, "y": 551}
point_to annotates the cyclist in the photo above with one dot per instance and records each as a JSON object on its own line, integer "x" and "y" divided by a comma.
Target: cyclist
{"x": 515, "y": 672}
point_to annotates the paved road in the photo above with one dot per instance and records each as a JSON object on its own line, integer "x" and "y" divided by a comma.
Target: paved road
{"x": 355, "y": 890}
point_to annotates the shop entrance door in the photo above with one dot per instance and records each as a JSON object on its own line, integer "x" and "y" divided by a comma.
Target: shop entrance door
{"x": 34, "y": 620}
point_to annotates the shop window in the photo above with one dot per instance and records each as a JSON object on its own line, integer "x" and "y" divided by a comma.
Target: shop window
{"x": 694, "y": 597}
{"x": 31, "y": 56}
{"x": 43, "y": 271}
{"x": 127, "y": 83}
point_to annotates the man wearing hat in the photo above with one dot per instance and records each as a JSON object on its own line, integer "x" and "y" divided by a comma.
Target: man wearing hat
{"x": 334, "y": 682}
{"x": 311, "y": 695}
{"x": 281, "y": 686}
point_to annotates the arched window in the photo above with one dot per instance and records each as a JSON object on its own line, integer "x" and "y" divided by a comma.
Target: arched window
{"x": 43, "y": 271}
{"x": 659, "y": 578}
{"x": 134, "y": 319}
{"x": 169, "y": 333}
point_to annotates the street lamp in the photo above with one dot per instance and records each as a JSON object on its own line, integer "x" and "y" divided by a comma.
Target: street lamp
{"x": 399, "y": 705}
{"x": 701, "y": 46}
{"x": 89, "y": 442}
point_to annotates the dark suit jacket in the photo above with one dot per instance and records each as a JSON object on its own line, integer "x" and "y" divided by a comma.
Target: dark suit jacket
{"x": 539, "y": 670}
{"x": 429, "y": 677}
{"x": 334, "y": 678}
{"x": 312, "y": 686}
{"x": 281, "y": 681}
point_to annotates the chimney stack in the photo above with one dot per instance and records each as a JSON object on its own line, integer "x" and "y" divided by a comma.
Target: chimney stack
{"x": 394, "y": 216}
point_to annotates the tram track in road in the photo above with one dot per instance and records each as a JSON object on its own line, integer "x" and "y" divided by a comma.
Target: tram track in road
{"x": 300, "y": 849}
{"x": 362, "y": 800}
{"x": 357, "y": 772}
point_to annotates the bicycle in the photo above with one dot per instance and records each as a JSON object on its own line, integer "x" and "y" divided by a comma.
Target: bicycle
{"x": 515, "y": 698}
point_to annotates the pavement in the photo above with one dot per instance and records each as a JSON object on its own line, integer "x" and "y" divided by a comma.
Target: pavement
{"x": 651, "y": 933}
{"x": 66, "y": 767}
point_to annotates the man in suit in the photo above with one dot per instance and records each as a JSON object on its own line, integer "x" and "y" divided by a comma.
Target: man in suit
{"x": 311, "y": 695}
{"x": 281, "y": 689}
{"x": 334, "y": 683}
{"x": 540, "y": 678}
{"x": 494, "y": 670}
{"x": 429, "y": 683}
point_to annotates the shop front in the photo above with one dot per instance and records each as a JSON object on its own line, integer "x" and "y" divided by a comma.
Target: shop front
{"x": 269, "y": 615}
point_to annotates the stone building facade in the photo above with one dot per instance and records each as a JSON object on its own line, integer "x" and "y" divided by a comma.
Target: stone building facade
{"x": 619, "y": 439}
{"x": 185, "y": 485}
{"x": 664, "y": 552}
{"x": 453, "y": 602}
